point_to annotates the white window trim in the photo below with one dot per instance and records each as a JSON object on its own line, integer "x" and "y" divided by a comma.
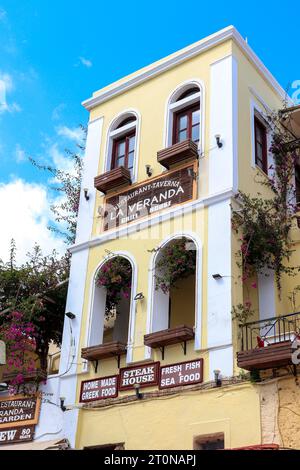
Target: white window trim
{"x": 113, "y": 133}
{"x": 173, "y": 106}
{"x": 198, "y": 291}
{"x": 257, "y": 111}
{"x": 132, "y": 314}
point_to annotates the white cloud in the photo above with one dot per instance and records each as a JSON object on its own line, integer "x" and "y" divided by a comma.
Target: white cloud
{"x": 86, "y": 62}
{"x": 76, "y": 134}
{"x": 60, "y": 161}
{"x": 25, "y": 212}
{"x": 20, "y": 154}
{"x": 6, "y": 86}
{"x": 56, "y": 113}
{"x": 3, "y": 14}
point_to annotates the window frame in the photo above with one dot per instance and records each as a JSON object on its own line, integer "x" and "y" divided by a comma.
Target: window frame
{"x": 183, "y": 112}
{"x": 125, "y": 137}
{"x": 258, "y": 123}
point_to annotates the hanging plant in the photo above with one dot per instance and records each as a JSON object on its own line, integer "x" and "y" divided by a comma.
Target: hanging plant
{"x": 115, "y": 276}
{"x": 177, "y": 260}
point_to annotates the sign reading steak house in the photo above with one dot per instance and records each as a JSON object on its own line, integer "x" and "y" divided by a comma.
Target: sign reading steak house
{"x": 152, "y": 196}
{"x": 144, "y": 375}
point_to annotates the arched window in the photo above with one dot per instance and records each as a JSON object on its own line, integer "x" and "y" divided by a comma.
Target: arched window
{"x": 175, "y": 274}
{"x": 122, "y": 143}
{"x": 184, "y": 117}
{"x": 111, "y": 302}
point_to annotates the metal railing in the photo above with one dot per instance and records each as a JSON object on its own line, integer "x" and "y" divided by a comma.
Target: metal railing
{"x": 270, "y": 331}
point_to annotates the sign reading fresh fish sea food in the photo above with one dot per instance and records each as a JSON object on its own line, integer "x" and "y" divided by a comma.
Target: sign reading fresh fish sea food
{"x": 183, "y": 373}
{"x": 160, "y": 193}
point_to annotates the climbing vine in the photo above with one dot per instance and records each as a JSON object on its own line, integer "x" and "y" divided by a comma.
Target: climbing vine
{"x": 264, "y": 225}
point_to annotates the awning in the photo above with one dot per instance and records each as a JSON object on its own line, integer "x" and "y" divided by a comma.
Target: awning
{"x": 290, "y": 118}
{"x": 62, "y": 444}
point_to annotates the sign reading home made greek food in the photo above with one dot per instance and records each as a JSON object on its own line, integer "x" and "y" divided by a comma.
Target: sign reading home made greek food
{"x": 19, "y": 410}
{"x": 99, "y": 389}
{"x": 143, "y": 375}
{"x": 16, "y": 435}
{"x": 148, "y": 198}
{"x": 183, "y": 373}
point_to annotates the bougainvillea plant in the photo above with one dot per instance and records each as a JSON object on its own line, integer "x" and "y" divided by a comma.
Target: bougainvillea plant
{"x": 264, "y": 224}
{"x": 20, "y": 337}
{"x": 176, "y": 260}
{"x": 115, "y": 276}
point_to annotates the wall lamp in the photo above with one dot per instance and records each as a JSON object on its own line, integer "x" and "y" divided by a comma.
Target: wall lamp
{"x": 218, "y": 141}
{"x": 149, "y": 170}
{"x": 71, "y": 315}
{"x": 138, "y": 394}
{"x": 86, "y": 194}
{"x": 192, "y": 174}
{"x": 217, "y": 276}
{"x": 218, "y": 378}
{"x": 139, "y": 296}
{"x": 62, "y": 404}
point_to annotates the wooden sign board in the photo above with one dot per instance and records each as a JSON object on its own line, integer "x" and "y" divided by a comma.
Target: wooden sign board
{"x": 145, "y": 375}
{"x": 99, "y": 389}
{"x": 183, "y": 373}
{"x": 19, "y": 411}
{"x": 143, "y": 200}
{"x": 16, "y": 435}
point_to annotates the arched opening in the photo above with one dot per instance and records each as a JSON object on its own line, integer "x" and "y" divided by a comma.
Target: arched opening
{"x": 112, "y": 302}
{"x": 122, "y": 137}
{"x": 184, "y": 117}
{"x": 174, "y": 301}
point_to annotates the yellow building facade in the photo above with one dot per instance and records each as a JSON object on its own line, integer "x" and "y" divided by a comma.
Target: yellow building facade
{"x": 168, "y": 147}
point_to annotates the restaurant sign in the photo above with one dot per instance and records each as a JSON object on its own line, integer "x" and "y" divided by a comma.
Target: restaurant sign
{"x": 99, "y": 389}
{"x": 163, "y": 192}
{"x": 19, "y": 411}
{"x": 183, "y": 373}
{"x": 143, "y": 375}
{"x": 16, "y": 435}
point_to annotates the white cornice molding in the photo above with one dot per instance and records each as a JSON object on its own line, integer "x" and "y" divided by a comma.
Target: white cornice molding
{"x": 181, "y": 56}
{"x": 150, "y": 221}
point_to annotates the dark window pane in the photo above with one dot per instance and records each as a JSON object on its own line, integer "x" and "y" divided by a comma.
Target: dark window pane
{"x": 182, "y": 122}
{"x": 196, "y": 117}
{"x": 195, "y": 133}
{"x": 121, "y": 149}
{"x": 131, "y": 143}
{"x": 182, "y": 136}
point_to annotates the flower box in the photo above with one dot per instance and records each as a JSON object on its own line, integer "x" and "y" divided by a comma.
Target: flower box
{"x": 178, "y": 153}
{"x": 112, "y": 179}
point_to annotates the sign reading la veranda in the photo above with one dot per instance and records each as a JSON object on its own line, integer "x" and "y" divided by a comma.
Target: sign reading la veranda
{"x": 183, "y": 373}
{"x": 19, "y": 410}
{"x": 174, "y": 188}
{"x": 144, "y": 375}
{"x": 99, "y": 389}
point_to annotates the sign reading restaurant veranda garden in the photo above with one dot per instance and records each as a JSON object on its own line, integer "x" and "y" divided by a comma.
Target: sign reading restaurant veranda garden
{"x": 143, "y": 200}
{"x": 99, "y": 389}
{"x": 183, "y": 373}
{"x": 19, "y": 411}
{"x": 144, "y": 375}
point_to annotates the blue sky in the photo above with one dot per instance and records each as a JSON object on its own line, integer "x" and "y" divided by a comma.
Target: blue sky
{"x": 54, "y": 54}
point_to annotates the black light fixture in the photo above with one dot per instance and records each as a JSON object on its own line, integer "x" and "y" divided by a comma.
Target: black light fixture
{"x": 62, "y": 404}
{"x": 218, "y": 378}
{"x": 3, "y": 387}
{"x": 149, "y": 170}
{"x": 138, "y": 394}
{"x": 139, "y": 296}
{"x": 218, "y": 140}
{"x": 192, "y": 174}
{"x": 217, "y": 276}
{"x": 70, "y": 315}
{"x": 86, "y": 194}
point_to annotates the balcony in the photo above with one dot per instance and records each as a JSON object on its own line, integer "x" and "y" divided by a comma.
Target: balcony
{"x": 268, "y": 344}
{"x": 160, "y": 339}
{"x": 178, "y": 153}
{"x": 104, "y": 351}
{"x": 37, "y": 376}
{"x": 290, "y": 119}
{"x": 112, "y": 179}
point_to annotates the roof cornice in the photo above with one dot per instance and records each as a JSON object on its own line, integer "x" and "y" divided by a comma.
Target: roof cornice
{"x": 181, "y": 56}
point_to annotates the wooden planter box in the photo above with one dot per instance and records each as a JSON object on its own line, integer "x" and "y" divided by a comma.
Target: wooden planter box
{"x": 35, "y": 376}
{"x": 103, "y": 351}
{"x": 163, "y": 338}
{"x": 178, "y": 153}
{"x": 269, "y": 357}
{"x": 112, "y": 179}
